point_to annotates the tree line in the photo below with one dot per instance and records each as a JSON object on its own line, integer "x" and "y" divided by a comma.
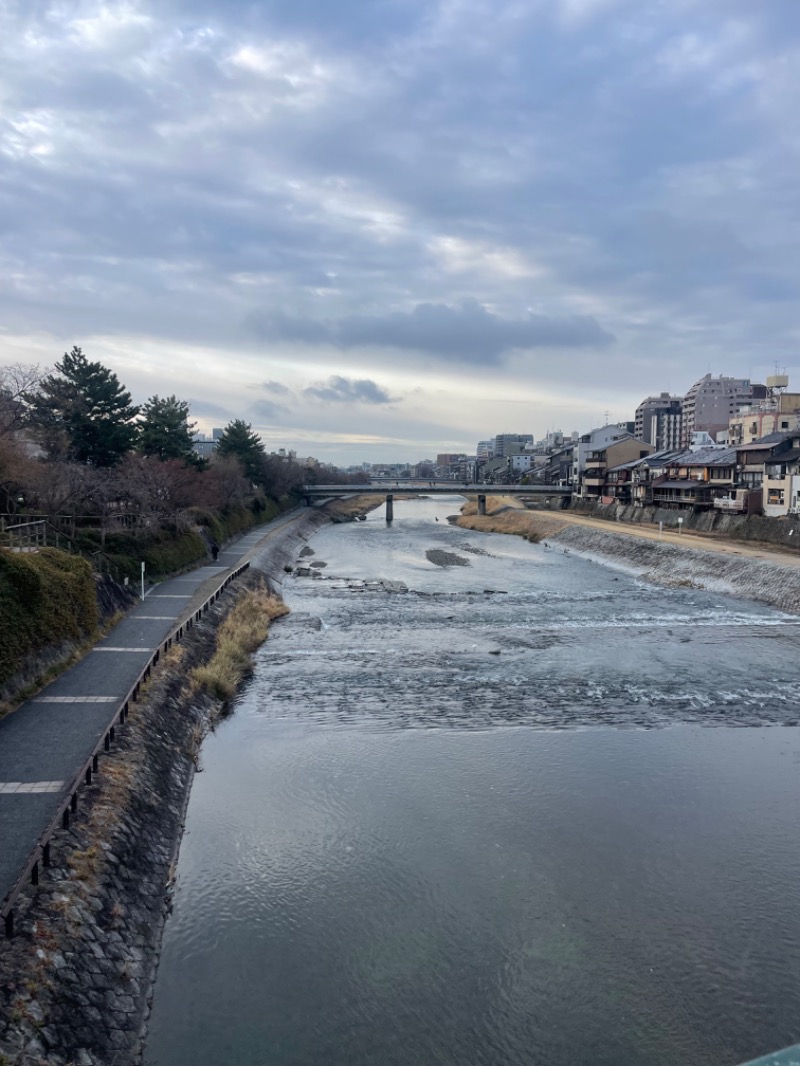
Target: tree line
{"x": 72, "y": 441}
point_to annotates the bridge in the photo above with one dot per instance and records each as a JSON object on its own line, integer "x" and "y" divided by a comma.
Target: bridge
{"x": 430, "y": 488}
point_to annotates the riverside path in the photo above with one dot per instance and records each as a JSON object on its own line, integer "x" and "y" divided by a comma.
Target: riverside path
{"x": 46, "y": 741}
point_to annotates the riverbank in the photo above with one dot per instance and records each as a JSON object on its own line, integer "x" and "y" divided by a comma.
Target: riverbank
{"x": 670, "y": 559}
{"x": 76, "y": 980}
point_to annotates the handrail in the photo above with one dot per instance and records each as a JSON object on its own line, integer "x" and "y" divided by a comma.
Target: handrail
{"x": 43, "y": 534}
{"x": 40, "y": 854}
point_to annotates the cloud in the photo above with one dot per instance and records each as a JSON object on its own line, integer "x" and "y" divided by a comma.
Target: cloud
{"x": 268, "y": 411}
{"x": 346, "y": 390}
{"x": 206, "y": 409}
{"x": 468, "y": 333}
{"x": 608, "y": 183}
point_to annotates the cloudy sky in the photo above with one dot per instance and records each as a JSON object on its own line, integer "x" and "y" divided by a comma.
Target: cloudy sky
{"x": 378, "y": 229}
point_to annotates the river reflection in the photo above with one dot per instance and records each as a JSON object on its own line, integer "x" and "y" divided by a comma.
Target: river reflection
{"x": 386, "y": 863}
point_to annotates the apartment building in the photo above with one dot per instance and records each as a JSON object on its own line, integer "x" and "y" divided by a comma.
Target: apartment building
{"x": 712, "y": 402}
{"x": 659, "y": 421}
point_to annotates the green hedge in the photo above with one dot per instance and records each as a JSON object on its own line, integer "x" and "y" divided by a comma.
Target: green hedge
{"x": 169, "y": 550}
{"x": 45, "y": 598}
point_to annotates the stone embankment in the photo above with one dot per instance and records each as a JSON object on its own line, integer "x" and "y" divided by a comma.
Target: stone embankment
{"x": 671, "y": 565}
{"x": 773, "y": 581}
{"x": 76, "y": 980}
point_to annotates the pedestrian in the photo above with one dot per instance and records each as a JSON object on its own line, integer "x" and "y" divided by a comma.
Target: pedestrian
{"x": 214, "y": 550}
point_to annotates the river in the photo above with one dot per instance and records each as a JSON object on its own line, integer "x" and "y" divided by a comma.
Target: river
{"x": 488, "y": 803}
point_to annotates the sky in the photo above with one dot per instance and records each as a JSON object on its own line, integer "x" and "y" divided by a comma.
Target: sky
{"x": 385, "y": 229}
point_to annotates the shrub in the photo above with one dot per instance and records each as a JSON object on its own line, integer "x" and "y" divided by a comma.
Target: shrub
{"x": 46, "y": 598}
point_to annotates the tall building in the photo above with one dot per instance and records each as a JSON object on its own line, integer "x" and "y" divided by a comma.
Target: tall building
{"x": 659, "y": 421}
{"x": 484, "y": 450}
{"x": 712, "y": 402}
{"x": 502, "y": 442}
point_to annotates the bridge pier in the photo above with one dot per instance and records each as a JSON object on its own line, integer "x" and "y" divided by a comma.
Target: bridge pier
{"x": 482, "y": 505}
{"x": 389, "y": 507}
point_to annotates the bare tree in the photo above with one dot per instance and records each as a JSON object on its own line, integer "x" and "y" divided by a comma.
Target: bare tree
{"x": 157, "y": 489}
{"x": 17, "y": 381}
{"x": 224, "y": 483}
{"x": 56, "y": 488}
{"x": 16, "y": 473}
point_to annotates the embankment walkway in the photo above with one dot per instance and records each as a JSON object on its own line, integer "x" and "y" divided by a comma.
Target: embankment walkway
{"x": 46, "y": 741}
{"x": 711, "y": 542}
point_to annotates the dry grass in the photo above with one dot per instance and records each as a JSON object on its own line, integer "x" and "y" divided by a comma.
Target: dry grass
{"x": 84, "y": 865}
{"x": 513, "y": 522}
{"x": 243, "y": 631}
{"x": 354, "y": 505}
{"x": 361, "y": 505}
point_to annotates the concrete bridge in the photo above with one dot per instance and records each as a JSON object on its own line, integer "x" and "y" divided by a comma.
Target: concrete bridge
{"x": 430, "y": 488}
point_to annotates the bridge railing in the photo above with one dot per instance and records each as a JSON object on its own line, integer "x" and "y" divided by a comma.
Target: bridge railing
{"x": 457, "y": 488}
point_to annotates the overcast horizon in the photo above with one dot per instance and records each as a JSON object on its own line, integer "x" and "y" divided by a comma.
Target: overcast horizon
{"x": 378, "y": 231}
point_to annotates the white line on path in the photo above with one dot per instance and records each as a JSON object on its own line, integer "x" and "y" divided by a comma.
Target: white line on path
{"x": 16, "y": 787}
{"x": 121, "y": 649}
{"x": 75, "y": 699}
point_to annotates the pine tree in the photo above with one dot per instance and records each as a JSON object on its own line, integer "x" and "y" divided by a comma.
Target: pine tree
{"x": 243, "y": 443}
{"x": 85, "y": 403}
{"x": 165, "y": 430}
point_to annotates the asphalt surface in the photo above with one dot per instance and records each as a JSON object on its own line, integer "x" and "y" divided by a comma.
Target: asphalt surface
{"x": 45, "y": 742}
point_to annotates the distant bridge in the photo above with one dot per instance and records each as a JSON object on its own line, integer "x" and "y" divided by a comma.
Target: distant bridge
{"x": 430, "y": 488}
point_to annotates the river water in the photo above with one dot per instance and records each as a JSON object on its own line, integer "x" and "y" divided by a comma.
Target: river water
{"x": 520, "y": 808}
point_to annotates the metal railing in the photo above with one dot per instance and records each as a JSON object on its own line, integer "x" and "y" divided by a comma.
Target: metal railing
{"x": 40, "y": 855}
{"x": 35, "y": 533}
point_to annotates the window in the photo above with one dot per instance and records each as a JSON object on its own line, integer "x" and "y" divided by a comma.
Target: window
{"x": 775, "y": 497}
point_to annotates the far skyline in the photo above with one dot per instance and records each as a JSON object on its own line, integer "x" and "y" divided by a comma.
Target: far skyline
{"x": 393, "y": 230}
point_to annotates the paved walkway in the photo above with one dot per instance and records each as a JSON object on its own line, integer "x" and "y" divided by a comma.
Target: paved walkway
{"x": 551, "y": 522}
{"x": 709, "y": 542}
{"x": 44, "y": 743}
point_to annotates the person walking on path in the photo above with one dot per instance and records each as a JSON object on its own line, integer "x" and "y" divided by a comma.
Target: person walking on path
{"x": 214, "y": 550}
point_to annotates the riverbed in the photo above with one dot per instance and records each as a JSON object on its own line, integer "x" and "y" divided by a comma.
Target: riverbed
{"x": 490, "y": 802}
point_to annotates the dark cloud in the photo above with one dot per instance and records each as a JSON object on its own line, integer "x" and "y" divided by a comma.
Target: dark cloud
{"x": 205, "y": 409}
{"x": 268, "y": 411}
{"x": 346, "y": 390}
{"x": 467, "y": 333}
{"x": 276, "y": 388}
{"x": 168, "y": 168}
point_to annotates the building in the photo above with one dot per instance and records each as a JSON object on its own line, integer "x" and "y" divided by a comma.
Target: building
{"x": 712, "y": 402}
{"x": 781, "y": 486}
{"x": 558, "y": 468}
{"x": 484, "y": 450}
{"x": 779, "y": 411}
{"x": 205, "y": 446}
{"x": 502, "y": 444}
{"x": 597, "y": 481}
{"x": 594, "y": 440}
{"x": 522, "y": 462}
{"x": 696, "y": 478}
{"x": 659, "y": 420}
